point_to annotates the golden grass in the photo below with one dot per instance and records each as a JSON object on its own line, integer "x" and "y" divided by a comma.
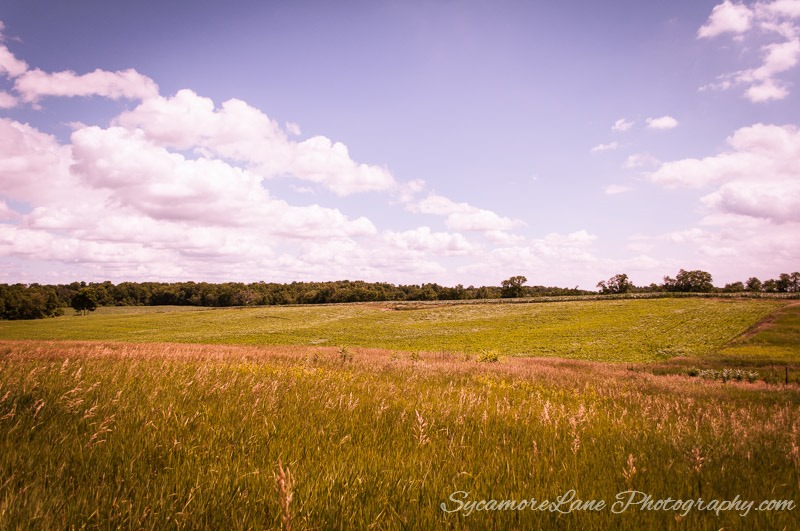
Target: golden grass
{"x": 115, "y": 435}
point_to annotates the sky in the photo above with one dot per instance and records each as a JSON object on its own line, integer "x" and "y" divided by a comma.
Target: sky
{"x": 457, "y": 142}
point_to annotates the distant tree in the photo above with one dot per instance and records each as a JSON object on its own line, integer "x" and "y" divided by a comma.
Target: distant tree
{"x": 85, "y": 301}
{"x": 753, "y": 284}
{"x": 690, "y": 281}
{"x": 735, "y": 287}
{"x": 512, "y": 287}
{"x": 770, "y": 286}
{"x": 616, "y": 284}
{"x": 794, "y": 282}
{"x": 783, "y": 282}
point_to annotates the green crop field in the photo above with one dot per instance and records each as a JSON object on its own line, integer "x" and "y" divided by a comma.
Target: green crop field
{"x": 373, "y": 417}
{"x": 621, "y": 330}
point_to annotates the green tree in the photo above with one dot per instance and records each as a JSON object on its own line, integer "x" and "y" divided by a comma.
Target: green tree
{"x": 735, "y": 287}
{"x": 690, "y": 281}
{"x": 753, "y": 284}
{"x": 512, "y": 287}
{"x": 770, "y": 286}
{"x": 794, "y": 282}
{"x": 783, "y": 283}
{"x": 85, "y": 301}
{"x": 616, "y": 284}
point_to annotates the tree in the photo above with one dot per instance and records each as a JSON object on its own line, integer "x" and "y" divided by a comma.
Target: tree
{"x": 794, "y": 282}
{"x": 512, "y": 287}
{"x": 735, "y": 287}
{"x": 784, "y": 282}
{"x": 616, "y": 284}
{"x": 770, "y": 286}
{"x": 690, "y": 281}
{"x": 753, "y": 284}
{"x": 85, "y": 300}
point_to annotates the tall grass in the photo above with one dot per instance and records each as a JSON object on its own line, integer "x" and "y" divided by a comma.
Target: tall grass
{"x": 152, "y": 436}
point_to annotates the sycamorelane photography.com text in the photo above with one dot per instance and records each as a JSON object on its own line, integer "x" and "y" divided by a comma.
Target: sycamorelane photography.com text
{"x": 630, "y": 500}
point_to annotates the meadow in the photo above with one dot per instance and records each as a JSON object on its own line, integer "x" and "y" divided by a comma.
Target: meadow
{"x": 626, "y": 330}
{"x": 155, "y": 418}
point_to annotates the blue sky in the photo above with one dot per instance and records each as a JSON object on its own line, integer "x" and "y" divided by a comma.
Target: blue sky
{"x": 451, "y": 142}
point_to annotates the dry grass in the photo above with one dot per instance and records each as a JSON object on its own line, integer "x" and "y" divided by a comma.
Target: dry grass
{"x": 146, "y": 436}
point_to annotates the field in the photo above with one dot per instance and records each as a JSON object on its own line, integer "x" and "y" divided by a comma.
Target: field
{"x": 621, "y": 331}
{"x": 366, "y": 416}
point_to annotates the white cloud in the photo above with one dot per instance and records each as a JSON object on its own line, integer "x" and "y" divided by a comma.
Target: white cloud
{"x": 758, "y": 177}
{"x": 166, "y": 186}
{"x": 767, "y": 90}
{"x": 622, "y": 125}
{"x": 726, "y": 17}
{"x": 10, "y": 66}
{"x": 243, "y": 133}
{"x": 320, "y": 160}
{"x": 7, "y": 213}
{"x": 7, "y": 101}
{"x": 663, "y": 122}
{"x": 424, "y": 240}
{"x": 616, "y": 189}
{"x": 126, "y": 84}
{"x": 463, "y": 216}
{"x": 640, "y": 160}
{"x": 34, "y": 167}
{"x": 293, "y": 129}
{"x": 776, "y": 201}
{"x": 115, "y": 199}
{"x": 605, "y": 147}
{"x": 774, "y": 20}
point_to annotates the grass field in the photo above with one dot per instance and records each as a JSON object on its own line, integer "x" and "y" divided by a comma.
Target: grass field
{"x": 623, "y": 330}
{"x": 103, "y": 425}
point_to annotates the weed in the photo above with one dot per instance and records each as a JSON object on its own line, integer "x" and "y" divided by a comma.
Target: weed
{"x": 489, "y": 356}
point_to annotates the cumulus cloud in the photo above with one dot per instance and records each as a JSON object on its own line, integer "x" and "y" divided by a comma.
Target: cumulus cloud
{"x": 776, "y": 201}
{"x": 10, "y": 66}
{"x": 115, "y": 199}
{"x": 167, "y": 186}
{"x": 726, "y": 17}
{"x": 463, "y": 216}
{"x": 34, "y": 167}
{"x": 772, "y": 20}
{"x": 424, "y": 240}
{"x": 599, "y": 148}
{"x": 622, "y": 125}
{"x": 759, "y": 176}
{"x": 640, "y": 160}
{"x": 7, "y": 101}
{"x": 243, "y": 133}
{"x": 126, "y": 84}
{"x": 663, "y": 122}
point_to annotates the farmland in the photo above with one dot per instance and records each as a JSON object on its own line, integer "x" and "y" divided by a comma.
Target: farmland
{"x": 617, "y": 331}
{"x": 370, "y": 416}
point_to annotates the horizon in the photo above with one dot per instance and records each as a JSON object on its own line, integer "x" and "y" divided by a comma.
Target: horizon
{"x": 448, "y": 143}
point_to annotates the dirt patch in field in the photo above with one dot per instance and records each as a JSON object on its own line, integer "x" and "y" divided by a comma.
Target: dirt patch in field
{"x": 764, "y": 324}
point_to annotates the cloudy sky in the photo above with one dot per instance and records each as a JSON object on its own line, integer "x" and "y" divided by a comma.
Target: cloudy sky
{"x": 417, "y": 141}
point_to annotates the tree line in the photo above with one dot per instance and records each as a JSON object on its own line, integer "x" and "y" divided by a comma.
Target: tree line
{"x": 20, "y": 301}
{"x": 35, "y": 301}
{"x": 698, "y": 281}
